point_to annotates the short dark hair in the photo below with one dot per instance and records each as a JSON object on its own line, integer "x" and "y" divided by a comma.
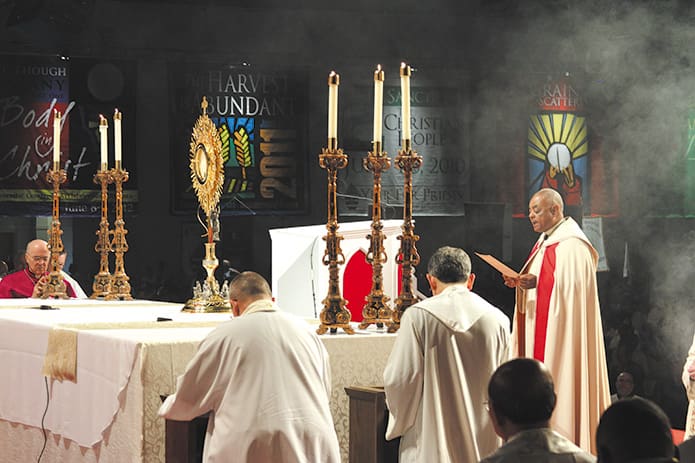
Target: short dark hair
{"x": 249, "y": 285}
{"x": 631, "y": 429}
{"x": 522, "y": 391}
{"x": 449, "y": 265}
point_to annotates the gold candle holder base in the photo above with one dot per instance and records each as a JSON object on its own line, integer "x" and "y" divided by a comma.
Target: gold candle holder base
{"x": 120, "y": 287}
{"x": 334, "y": 314}
{"x": 408, "y": 257}
{"x": 209, "y": 297}
{"x": 376, "y": 310}
{"x": 101, "y": 287}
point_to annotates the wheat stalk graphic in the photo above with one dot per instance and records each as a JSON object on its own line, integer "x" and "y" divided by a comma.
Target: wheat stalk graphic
{"x": 243, "y": 150}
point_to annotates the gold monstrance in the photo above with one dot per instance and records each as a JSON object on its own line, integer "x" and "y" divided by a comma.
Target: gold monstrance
{"x": 207, "y": 176}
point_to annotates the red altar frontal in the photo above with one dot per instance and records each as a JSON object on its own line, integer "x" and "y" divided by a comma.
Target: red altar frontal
{"x": 300, "y": 279}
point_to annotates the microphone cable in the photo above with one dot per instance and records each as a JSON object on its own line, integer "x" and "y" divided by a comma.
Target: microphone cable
{"x": 43, "y": 427}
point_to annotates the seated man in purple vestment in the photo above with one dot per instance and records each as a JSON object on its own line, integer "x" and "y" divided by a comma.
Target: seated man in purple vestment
{"x": 30, "y": 281}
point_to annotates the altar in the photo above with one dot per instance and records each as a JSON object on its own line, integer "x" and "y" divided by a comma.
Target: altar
{"x": 129, "y": 354}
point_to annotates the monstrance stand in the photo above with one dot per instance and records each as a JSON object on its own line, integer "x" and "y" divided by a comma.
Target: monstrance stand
{"x": 376, "y": 311}
{"x": 207, "y": 176}
{"x": 334, "y": 314}
{"x": 55, "y": 288}
{"x": 408, "y": 257}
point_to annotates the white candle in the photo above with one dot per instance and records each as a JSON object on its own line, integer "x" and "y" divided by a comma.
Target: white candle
{"x": 333, "y": 82}
{"x": 56, "y": 141}
{"x": 378, "y": 103}
{"x": 103, "y": 128}
{"x": 117, "y": 137}
{"x": 405, "y": 101}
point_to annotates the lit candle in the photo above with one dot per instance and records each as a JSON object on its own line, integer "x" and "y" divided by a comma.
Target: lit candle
{"x": 333, "y": 82}
{"x": 405, "y": 101}
{"x": 117, "y": 137}
{"x": 378, "y": 103}
{"x": 103, "y": 128}
{"x": 56, "y": 140}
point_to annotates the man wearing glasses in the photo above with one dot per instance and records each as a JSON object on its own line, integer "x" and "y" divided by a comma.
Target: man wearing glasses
{"x": 30, "y": 281}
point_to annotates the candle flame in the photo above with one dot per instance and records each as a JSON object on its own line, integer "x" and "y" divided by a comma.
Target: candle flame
{"x": 378, "y": 74}
{"x": 102, "y": 120}
{"x": 333, "y": 78}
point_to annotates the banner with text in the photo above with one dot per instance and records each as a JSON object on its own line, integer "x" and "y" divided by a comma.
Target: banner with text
{"x": 441, "y": 184}
{"x": 261, "y": 117}
{"x": 31, "y": 89}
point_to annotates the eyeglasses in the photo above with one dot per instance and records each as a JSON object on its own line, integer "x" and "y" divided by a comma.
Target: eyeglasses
{"x": 39, "y": 258}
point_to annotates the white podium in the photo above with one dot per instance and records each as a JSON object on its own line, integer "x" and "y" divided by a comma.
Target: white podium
{"x": 299, "y": 277}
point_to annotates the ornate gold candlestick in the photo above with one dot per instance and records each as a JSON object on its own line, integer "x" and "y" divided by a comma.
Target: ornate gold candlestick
{"x": 375, "y": 310}
{"x": 334, "y": 314}
{"x": 120, "y": 288}
{"x": 408, "y": 257}
{"x": 101, "y": 287}
{"x": 55, "y": 287}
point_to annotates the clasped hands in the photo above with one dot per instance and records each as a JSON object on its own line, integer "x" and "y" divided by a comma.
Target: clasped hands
{"x": 39, "y": 291}
{"x": 523, "y": 281}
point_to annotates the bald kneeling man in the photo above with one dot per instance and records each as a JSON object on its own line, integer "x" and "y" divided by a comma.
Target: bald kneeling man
{"x": 264, "y": 377}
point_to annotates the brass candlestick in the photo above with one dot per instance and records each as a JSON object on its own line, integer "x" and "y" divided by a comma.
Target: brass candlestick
{"x": 120, "y": 288}
{"x": 55, "y": 287}
{"x": 408, "y": 257}
{"x": 101, "y": 287}
{"x": 375, "y": 310}
{"x": 334, "y": 314}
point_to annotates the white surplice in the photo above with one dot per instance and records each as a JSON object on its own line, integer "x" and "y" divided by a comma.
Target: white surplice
{"x": 436, "y": 378}
{"x": 574, "y": 349}
{"x": 79, "y": 292}
{"x": 265, "y": 379}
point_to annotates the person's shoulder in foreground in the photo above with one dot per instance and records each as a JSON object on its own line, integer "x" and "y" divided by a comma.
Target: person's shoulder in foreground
{"x": 521, "y": 400}
{"x": 634, "y": 430}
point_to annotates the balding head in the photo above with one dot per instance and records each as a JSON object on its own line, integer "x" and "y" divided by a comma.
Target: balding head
{"x": 545, "y": 209}
{"x": 522, "y": 396}
{"x": 36, "y": 245}
{"x": 246, "y": 288}
{"x": 37, "y": 256}
{"x": 551, "y": 196}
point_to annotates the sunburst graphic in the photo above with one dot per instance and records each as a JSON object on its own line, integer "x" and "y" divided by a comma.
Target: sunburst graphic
{"x": 550, "y": 130}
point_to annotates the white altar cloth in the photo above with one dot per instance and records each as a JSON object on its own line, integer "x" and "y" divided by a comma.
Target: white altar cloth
{"x": 110, "y": 414}
{"x": 105, "y": 362}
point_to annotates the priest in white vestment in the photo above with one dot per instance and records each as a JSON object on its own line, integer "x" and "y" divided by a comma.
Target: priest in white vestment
{"x": 558, "y": 319}
{"x": 264, "y": 377}
{"x": 436, "y": 377}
